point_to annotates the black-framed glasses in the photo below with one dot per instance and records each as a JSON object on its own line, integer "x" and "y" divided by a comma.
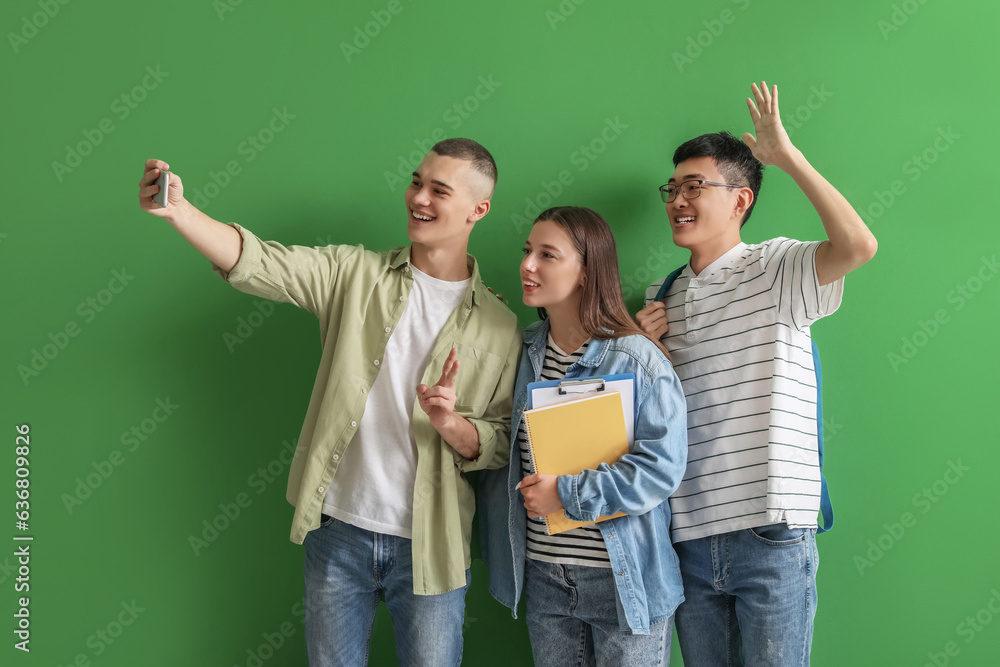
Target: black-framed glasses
{"x": 688, "y": 189}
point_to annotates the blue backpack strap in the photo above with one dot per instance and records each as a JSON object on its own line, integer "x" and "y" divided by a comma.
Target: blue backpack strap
{"x": 667, "y": 282}
{"x": 826, "y": 508}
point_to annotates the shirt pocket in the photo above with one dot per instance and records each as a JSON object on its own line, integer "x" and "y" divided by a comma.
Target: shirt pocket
{"x": 478, "y": 375}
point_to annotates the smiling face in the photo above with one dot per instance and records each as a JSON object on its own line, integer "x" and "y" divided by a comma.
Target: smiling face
{"x": 709, "y": 225}
{"x": 444, "y": 200}
{"x": 552, "y": 272}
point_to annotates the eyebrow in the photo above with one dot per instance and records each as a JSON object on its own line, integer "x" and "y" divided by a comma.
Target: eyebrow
{"x": 544, "y": 246}
{"x": 689, "y": 177}
{"x": 441, "y": 183}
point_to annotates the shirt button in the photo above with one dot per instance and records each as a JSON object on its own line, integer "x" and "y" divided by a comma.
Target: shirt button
{"x": 388, "y": 329}
{"x": 336, "y": 457}
{"x": 364, "y": 391}
{"x": 402, "y": 298}
{"x": 611, "y": 537}
{"x": 321, "y": 489}
{"x": 353, "y": 424}
{"x": 621, "y": 574}
{"x": 376, "y": 362}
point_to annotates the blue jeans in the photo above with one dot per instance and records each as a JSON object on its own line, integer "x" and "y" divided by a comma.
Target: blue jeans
{"x": 750, "y": 597}
{"x": 572, "y": 617}
{"x": 347, "y": 571}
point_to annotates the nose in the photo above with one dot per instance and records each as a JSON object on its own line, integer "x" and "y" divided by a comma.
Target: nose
{"x": 421, "y": 197}
{"x": 527, "y": 264}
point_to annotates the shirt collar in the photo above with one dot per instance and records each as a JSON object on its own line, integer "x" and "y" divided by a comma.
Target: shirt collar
{"x": 400, "y": 257}
{"x": 722, "y": 262}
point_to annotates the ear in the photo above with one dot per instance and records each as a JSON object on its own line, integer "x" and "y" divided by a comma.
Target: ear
{"x": 744, "y": 198}
{"x": 479, "y": 211}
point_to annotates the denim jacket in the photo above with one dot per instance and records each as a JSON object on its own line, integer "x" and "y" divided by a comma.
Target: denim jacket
{"x": 642, "y": 557}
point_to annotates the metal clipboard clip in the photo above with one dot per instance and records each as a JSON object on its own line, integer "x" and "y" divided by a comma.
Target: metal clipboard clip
{"x": 581, "y": 386}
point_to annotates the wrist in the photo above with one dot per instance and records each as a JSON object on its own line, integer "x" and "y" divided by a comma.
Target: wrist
{"x": 180, "y": 216}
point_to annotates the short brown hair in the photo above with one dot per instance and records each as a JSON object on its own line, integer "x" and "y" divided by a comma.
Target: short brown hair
{"x": 471, "y": 151}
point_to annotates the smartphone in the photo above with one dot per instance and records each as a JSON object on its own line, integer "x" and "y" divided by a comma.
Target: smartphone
{"x": 164, "y": 182}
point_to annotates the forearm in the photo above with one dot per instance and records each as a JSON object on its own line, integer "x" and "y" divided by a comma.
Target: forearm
{"x": 461, "y": 435}
{"x": 218, "y": 242}
{"x": 850, "y": 243}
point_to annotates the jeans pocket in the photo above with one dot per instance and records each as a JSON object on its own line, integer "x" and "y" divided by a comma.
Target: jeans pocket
{"x": 325, "y": 520}
{"x": 778, "y": 534}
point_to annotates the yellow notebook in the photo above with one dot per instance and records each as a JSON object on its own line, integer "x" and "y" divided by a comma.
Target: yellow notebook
{"x": 568, "y": 438}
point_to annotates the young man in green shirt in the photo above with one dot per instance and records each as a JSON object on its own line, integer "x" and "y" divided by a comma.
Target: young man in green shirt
{"x": 413, "y": 390}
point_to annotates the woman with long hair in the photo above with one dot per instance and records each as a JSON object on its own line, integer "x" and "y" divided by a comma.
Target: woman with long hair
{"x": 604, "y": 593}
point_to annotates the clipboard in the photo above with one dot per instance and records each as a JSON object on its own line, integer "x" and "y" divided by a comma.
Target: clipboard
{"x": 616, "y": 395}
{"x": 545, "y": 393}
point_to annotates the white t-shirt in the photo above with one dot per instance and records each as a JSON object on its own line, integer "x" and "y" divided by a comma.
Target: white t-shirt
{"x": 373, "y": 487}
{"x": 740, "y": 343}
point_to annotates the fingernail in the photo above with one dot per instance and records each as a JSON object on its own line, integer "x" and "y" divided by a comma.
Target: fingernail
{"x": 517, "y": 486}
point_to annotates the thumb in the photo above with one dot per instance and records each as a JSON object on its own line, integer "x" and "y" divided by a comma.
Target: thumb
{"x": 421, "y": 389}
{"x": 749, "y": 140}
{"x": 529, "y": 480}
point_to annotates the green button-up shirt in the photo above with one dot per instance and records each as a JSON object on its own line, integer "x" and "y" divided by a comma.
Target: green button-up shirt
{"x": 358, "y": 296}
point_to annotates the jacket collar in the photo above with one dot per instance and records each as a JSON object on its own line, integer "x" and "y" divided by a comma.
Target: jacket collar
{"x": 536, "y": 336}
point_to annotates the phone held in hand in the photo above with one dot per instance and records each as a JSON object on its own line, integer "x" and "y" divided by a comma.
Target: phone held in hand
{"x": 161, "y": 196}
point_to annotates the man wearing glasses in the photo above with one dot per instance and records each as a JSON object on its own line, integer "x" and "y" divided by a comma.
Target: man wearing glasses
{"x": 736, "y": 322}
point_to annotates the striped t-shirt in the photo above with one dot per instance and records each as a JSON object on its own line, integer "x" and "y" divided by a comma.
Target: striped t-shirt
{"x": 740, "y": 344}
{"x": 580, "y": 546}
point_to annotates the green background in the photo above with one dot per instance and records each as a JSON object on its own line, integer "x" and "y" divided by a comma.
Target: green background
{"x": 870, "y": 86}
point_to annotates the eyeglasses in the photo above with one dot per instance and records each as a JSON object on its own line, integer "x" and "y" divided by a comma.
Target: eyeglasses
{"x": 690, "y": 189}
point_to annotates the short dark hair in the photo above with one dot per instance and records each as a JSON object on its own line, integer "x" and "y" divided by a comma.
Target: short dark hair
{"x": 471, "y": 151}
{"x": 734, "y": 158}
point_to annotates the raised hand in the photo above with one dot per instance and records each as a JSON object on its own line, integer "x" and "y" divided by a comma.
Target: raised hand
{"x": 148, "y": 188}
{"x": 771, "y": 145}
{"x": 439, "y": 401}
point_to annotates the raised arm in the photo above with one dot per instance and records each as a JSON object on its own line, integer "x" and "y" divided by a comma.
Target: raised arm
{"x": 850, "y": 243}
{"x": 218, "y": 242}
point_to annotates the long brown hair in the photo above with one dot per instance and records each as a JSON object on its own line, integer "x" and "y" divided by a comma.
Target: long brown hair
{"x": 602, "y": 305}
